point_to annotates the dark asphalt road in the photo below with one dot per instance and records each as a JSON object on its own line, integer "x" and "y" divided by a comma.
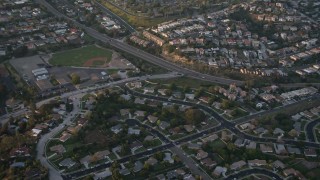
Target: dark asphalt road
{"x": 309, "y": 130}
{"x": 172, "y": 67}
{"x": 114, "y": 16}
{"x": 225, "y": 123}
{"x": 253, "y": 171}
{"x": 123, "y": 160}
{"x": 279, "y": 109}
{"x": 141, "y": 54}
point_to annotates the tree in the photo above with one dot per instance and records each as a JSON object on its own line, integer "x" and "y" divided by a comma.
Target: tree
{"x": 172, "y": 86}
{"x": 32, "y": 106}
{"x": 236, "y": 112}
{"x": 226, "y": 104}
{"x": 231, "y": 147}
{"x": 199, "y": 92}
{"x": 146, "y": 166}
{"x": 89, "y": 177}
{"x": 69, "y": 106}
{"x": 125, "y": 148}
{"x": 115, "y": 171}
{"x": 22, "y": 126}
{"x": 174, "y": 122}
{"x": 249, "y": 84}
{"x": 159, "y": 156}
{"x": 186, "y": 88}
{"x": 284, "y": 121}
{"x": 168, "y": 92}
{"x": 20, "y": 51}
{"x": 31, "y": 122}
{"x": 3, "y": 92}
{"x": 75, "y": 78}
{"x": 169, "y": 48}
{"x": 194, "y": 116}
{"x": 212, "y": 89}
{"x": 211, "y": 100}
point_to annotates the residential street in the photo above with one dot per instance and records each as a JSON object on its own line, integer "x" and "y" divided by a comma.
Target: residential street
{"x": 190, "y": 163}
{"x": 310, "y": 134}
{"x": 224, "y": 124}
{"x": 248, "y": 172}
{"x": 76, "y": 96}
{"x": 82, "y": 96}
{"x": 41, "y": 146}
{"x": 227, "y": 124}
{"x": 141, "y": 54}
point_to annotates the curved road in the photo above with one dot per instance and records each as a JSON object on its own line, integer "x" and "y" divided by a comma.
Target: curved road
{"x": 248, "y": 172}
{"x": 189, "y": 162}
{"x": 310, "y": 130}
{"x": 141, "y": 54}
{"x": 244, "y": 119}
{"x": 224, "y": 123}
{"x": 76, "y": 95}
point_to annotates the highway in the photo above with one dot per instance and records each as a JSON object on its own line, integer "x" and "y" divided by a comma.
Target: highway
{"x": 139, "y": 53}
{"x": 172, "y": 67}
{"x": 124, "y": 23}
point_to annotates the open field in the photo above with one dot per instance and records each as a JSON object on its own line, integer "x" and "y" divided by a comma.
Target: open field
{"x": 136, "y": 20}
{"x": 84, "y": 56}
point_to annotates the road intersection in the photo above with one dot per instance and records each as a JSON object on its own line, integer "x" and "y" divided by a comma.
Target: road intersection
{"x": 223, "y": 123}
{"x": 139, "y": 53}
{"x": 174, "y": 145}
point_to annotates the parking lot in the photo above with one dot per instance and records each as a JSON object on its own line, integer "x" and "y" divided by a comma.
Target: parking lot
{"x": 25, "y": 66}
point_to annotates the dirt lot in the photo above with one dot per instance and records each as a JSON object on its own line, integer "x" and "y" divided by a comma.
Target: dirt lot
{"x": 96, "y": 62}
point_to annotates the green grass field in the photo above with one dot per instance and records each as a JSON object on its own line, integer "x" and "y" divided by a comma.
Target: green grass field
{"x": 183, "y": 81}
{"x": 77, "y": 57}
{"x": 135, "y": 20}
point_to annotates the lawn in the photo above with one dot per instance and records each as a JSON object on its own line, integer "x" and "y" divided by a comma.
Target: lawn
{"x": 177, "y": 136}
{"x": 183, "y": 81}
{"x": 155, "y": 143}
{"x": 217, "y": 144}
{"x": 112, "y": 156}
{"x": 79, "y": 56}
{"x": 314, "y": 173}
{"x": 141, "y": 149}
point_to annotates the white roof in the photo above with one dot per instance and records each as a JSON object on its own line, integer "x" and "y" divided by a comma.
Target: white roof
{"x": 103, "y": 174}
{"x": 36, "y": 132}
